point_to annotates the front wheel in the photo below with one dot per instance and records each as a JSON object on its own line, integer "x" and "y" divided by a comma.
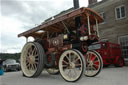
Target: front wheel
{"x": 32, "y": 59}
{"x": 94, "y": 63}
{"x": 71, "y": 65}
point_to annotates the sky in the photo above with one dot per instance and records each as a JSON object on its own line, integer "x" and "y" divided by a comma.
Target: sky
{"x": 17, "y": 16}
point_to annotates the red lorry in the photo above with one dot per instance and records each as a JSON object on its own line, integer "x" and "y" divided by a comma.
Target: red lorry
{"x": 110, "y": 53}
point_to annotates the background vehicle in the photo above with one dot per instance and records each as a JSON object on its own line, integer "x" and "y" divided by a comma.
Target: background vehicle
{"x": 110, "y": 53}
{"x": 11, "y": 64}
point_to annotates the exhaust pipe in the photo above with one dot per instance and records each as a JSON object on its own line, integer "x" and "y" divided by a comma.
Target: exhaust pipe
{"x": 76, "y": 4}
{"x": 77, "y": 19}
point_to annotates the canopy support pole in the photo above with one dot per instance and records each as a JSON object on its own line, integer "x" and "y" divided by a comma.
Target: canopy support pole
{"x": 89, "y": 31}
{"x": 97, "y": 27}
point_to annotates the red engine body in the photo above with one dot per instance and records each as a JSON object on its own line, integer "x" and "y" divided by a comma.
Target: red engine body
{"x": 110, "y": 53}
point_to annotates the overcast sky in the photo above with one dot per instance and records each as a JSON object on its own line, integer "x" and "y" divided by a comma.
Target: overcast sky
{"x": 17, "y": 16}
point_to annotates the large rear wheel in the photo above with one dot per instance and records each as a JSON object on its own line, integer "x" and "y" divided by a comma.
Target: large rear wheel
{"x": 71, "y": 65}
{"x": 32, "y": 57}
{"x": 94, "y": 63}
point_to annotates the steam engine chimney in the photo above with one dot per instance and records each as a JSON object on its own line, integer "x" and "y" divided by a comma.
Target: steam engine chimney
{"x": 76, "y": 4}
{"x": 77, "y": 19}
{"x": 91, "y": 2}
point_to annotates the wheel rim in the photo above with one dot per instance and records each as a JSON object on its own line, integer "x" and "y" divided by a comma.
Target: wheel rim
{"x": 29, "y": 59}
{"x": 93, "y": 64}
{"x": 70, "y": 65}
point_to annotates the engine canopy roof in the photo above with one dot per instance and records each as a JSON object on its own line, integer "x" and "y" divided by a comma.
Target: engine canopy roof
{"x": 56, "y": 25}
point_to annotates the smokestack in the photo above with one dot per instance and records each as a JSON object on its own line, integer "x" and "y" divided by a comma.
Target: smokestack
{"x": 77, "y": 19}
{"x": 76, "y": 4}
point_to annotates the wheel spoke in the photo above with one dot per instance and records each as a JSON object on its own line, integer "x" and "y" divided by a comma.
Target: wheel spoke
{"x": 88, "y": 58}
{"x": 36, "y": 59}
{"x": 93, "y": 58}
{"x": 33, "y": 51}
{"x": 28, "y": 65}
{"x": 36, "y": 55}
{"x": 65, "y": 65}
{"x": 70, "y": 57}
{"x": 75, "y": 71}
{"x": 67, "y": 58}
{"x": 76, "y": 60}
{"x": 32, "y": 66}
{"x": 94, "y": 68}
{"x": 96, "y": 62}
{"x": 73, "y": 74}
{"x": 27, "y": 59}
{"x": 91, "y": 69}
{"x": 35, "y": 62}
{"x": 65, "y": 62}
{"x": 96, "y": 65}
{"x": 30, "y": 51}
{"x": 27, "y": 54}
{"x": 69, "y": 73}
{"x": 78, "y": 65}
{"x": 27, "y": 62}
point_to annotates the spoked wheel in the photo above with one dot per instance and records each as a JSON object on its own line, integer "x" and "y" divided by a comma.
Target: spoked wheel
{"x": 94, "y": 63}
{"x": 53, "y": 71}
{"x": 71, "y": 65}
{"x": 32, "y": 57}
